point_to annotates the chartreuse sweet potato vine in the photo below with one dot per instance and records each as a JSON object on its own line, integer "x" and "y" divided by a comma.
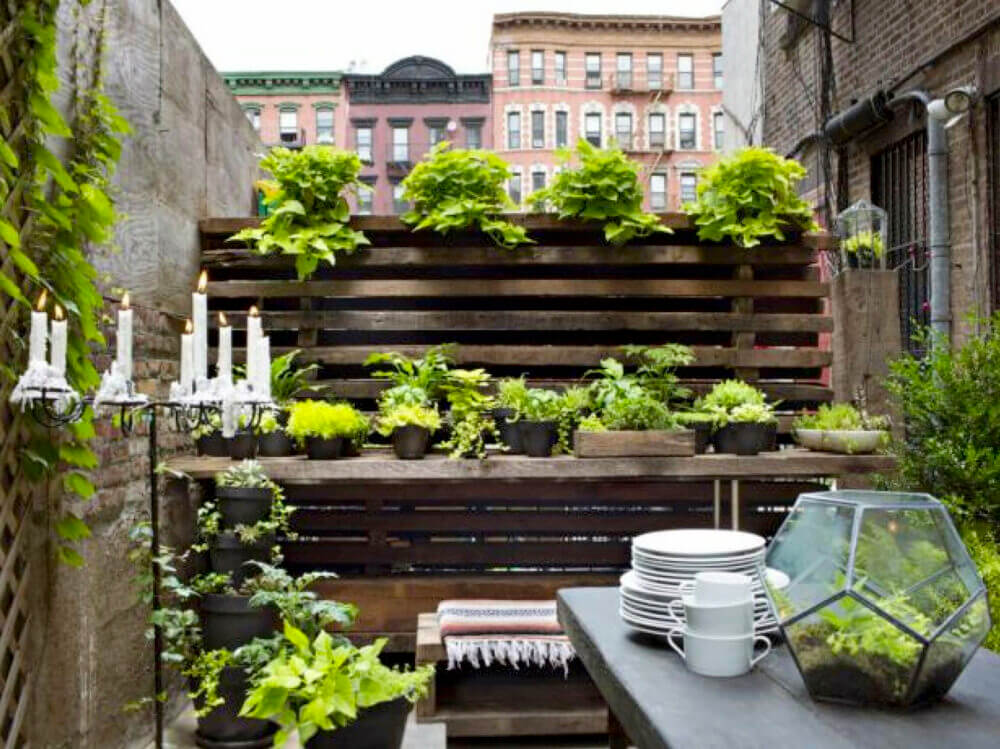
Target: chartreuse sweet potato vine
{"x": 603, "y": 187}
{"x": 751, "y": 195}
{"x": 70, "y": 200}
{"x": 458, "y": 188}
{"x": 308, "y": 206}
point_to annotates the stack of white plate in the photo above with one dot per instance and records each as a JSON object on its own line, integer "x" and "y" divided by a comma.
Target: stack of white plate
{"x": 664, "y": 560}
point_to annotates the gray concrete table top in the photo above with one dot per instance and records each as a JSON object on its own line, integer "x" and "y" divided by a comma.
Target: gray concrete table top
{"x": 661, "y": 704}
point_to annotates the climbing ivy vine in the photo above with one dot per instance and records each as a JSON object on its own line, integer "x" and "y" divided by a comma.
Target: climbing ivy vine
{"x": 61, "y": 170}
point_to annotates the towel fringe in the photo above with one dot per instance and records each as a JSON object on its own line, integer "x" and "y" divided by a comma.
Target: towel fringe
{"x": 484, "y": 652}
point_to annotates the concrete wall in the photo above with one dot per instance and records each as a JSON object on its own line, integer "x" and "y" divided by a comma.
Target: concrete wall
{"x": 193, "y": 154}
{"x": 743, "y": 93}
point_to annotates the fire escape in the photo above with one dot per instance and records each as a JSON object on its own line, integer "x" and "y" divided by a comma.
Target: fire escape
{"x": 622, "y": 85}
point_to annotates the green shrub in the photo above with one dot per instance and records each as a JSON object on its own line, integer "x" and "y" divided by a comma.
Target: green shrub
{"x": 750, "y": 195}
{"x": 307, "y": 209}
{"x": 603, "y": 187}
{"x": 984, "y": 548}
{"x": 405, "y": 415}
{"x": 458, "y": 188}
{"x": 311, "y": 418}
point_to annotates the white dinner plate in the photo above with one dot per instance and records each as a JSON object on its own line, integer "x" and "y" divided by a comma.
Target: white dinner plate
{"x": 697, "y": 542}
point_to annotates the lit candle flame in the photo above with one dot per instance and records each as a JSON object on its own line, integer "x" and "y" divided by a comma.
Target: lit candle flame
{"x": 125, "y": 301}
{"x": 58, "y": 312}
{"x": 203, "y": 282}
{"x": 188, "y": 327}
{"x": 42, "y": 299}
{"x": 222, "y": 319}
{"x": 254, "y": 312}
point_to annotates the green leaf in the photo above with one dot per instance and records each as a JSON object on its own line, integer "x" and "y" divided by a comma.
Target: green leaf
{"x": 72, "y": 528}
{"x": 79, "y": 484}
{"x": 7, "y": 155}
{"x": 69, "y": 556}
{"x": 9, "y": 234}
{"x": 78, "y": 455}
{"x": 11, "y": 289}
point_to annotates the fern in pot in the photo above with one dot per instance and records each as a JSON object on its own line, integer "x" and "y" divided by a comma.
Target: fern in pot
{"x": 410, "y": 426}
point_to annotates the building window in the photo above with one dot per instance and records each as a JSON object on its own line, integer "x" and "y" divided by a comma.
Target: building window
{"x": 654, "y": 71}
{"x": 718, "y": 130}
{"x": 400, "y": 144}
{"x": 689, "y": 187}
{"x": 399, "y": 205}
{"x": 537, "y": 67}
{"x": 537, "y": 180}
{"x": 592, "y": 128}
{"x": 514, "y": 188}
{"x": 562, "y": 129}
{"x": 560, "y": 68}
{"x": 623, "y": 130}
{"x": 513, "y": 130}
{"x": 657, "y": 130}
{"x": 592, "y": 64}
{"x": 685, "y": 71}
{"x": 474, "y": 136}
{"x": 253, "y": 115}
{"x": 658, "y": 192}
{"x": 513, "y": 67}
{"x": 363, "y": 143}
{"x": 366, "y": 198}
{"x": 717, "y": 70}
{"x": 324, "y": 125}
{"x": 623, "y": 70}
{"x": 538, "y": 129}
{"x": 436, "y": 133}
{"x": 687, "y": 139}
{"x": 288, "y": 125}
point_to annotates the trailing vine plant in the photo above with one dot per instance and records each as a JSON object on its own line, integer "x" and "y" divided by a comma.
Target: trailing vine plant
{"x": 603, "y": 187}
{"x": 458, "y": 188}
{"x": 70, "y": 202}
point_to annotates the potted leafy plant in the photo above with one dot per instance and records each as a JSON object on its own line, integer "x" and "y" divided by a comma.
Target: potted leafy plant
{"x": 414, "y": 380}
{"x": 334, "y": 695}
{"x": 538, "y": 422}
{"x": 841, "y": 428}
{"x": 208, "y": 439}
{"x": 864, "y": 249}
{"x": 244, "y": 494}
{"x": 410, "y": 427}
{"x": 511, "y": 393}
{"x": 288, "y": 380}
{"x": 326, "y": 428}
{"x": 272, "y": 441}
{"x": 472, "y": 426}
{"x": 243, "y": 443}
{"x": 749, "y": 196}
{"x": 746, "y": 429}
{"x": 635, "y": 424}
{"x": 703, "y": 424}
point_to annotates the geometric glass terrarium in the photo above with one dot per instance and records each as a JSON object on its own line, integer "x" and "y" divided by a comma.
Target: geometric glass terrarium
{"x": 884, "y": 604}
{"x": 861, "y": 231}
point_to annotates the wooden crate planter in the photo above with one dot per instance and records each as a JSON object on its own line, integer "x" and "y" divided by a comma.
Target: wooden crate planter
{"x": 633, "y": 444}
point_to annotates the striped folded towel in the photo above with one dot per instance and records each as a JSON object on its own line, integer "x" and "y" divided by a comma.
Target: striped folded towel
{"x": 511, "y": 633}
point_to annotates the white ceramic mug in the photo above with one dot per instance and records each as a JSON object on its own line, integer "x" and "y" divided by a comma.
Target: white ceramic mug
{"x": 715, "y": 588}
{"x": 722, "y": 620}
{"x": 718, "y": 656}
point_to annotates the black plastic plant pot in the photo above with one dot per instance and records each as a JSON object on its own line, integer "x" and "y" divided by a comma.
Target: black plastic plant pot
{"x": 212, "y": 445}
{"x": 538, "y": 438}
{"x": 742, "y": 438}
{"x": 240, "y": 505}
{"x": 510, "y": 432}
{"x": 771, "y": 443}
{"x": 243, "y": 446}
{"x": 378, "y": 727}
{"x": 323, "y": 448}
{"x": 274, "y": 445}
{"x": 702, "y": 436}
{"x": 223, "y": 728}
{"x": 228, "y": 554}
{"x": 410, "y": 442}
{"x": 230, "y": 621}
{"x": 349, "y": 450}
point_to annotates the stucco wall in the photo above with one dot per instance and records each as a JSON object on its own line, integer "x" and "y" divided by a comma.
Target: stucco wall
{"x": 192, "y": 154}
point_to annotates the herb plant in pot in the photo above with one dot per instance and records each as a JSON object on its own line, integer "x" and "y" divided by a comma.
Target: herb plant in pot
{"x": 410, "y": 427}
{"x": 841, "y": 428}
{"x": 538, "y": 422}
{"x": 511, "y": 393}
{"x": 747, "y": 429}
{"x": 324, "y": 427}
{"x": 208, "y": 439}
{"x": 272, "y": 442}
{"x": 243, "y": 443}
{"x": 470, "y": 414}
{"x": 864, "y": 249}
{"x": 335, "y": 695}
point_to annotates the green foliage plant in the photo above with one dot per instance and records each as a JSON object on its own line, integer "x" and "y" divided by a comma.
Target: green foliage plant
{"x": 511, "y": 392}
{"x": 307, "y": 206}
{"x": 641, "y": 412}
{"x": 414, "y": 380}
{"x": 311, "y": 418}
{"x": 458, "y": 188}
{"x": 591, "y": 423}
{"x": 469, "y": 432}
{"x": 657, "y": 371}
{"x": 731, "y": 393}
{"x": 247, "y": 474}
{"x": 865, "y": 245}
{"x": 318, "y": 684}
{"x": 541, "y": 404}
{"x": 408, "y": 414}
{"x": 603, "y": 187}
{"x": 296, "y": 601}
{"x": 289, "y": 380}
{"x": 268, "y": 424}
{"x": 749, "y": 196}
{"x": 840, "y": 417}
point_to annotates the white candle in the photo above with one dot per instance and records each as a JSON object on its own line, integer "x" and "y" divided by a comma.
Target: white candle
{"x": 124, "y": 347}
{"x": 39, "y": 331}
{"x": 199, "y": 311}
{"x": 58, "y": 352}
{"x": 187, "y": 358}
{"x": 263, "y": 365}
{"x": 254, "y": 334}
{"x": 225, "y": 363}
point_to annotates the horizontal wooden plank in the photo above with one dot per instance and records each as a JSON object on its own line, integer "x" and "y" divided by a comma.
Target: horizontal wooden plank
{"x": 526, "y": 720}
{"x": 533, "y": 255}
{"x": 509, "y": 554}
{"x": 620, "y": 444}
{"x": 518, "y": 287}
{"x": 381, "y": 466}
{"x": 550, "y": 320}
{"x": 582, "y": 356}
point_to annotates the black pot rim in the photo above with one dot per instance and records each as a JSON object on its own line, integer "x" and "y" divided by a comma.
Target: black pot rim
{"x": 227, "y": 603}
{"x": 228, "y": 541}
{"x": 243, "y": 492}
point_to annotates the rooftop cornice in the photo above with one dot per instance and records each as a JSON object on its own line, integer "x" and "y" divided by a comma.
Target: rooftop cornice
{"x": 586, "y": 21}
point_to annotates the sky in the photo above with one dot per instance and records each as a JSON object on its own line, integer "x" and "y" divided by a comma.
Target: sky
{"x": 333, "y": 34}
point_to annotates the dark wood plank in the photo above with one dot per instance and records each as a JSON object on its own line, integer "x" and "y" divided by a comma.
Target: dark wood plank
{"x": 623, "y": 444}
